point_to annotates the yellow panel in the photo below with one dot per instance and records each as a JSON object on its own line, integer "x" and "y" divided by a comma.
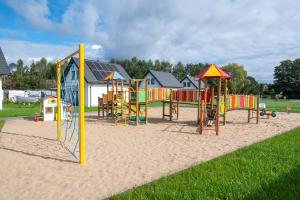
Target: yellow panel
{"x": 212, "y": 71}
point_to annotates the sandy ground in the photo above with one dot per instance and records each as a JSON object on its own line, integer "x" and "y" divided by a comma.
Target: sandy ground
{"x": 35, "y": 166}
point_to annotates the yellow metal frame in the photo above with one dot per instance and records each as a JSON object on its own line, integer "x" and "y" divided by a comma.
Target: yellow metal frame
{"x": 79, "y": 52}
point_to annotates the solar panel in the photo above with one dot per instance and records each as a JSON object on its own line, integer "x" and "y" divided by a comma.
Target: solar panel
{"x": 101, "y": 70}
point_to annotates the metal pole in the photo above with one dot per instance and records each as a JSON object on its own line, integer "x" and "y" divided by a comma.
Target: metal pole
{"x": 58, "y": 78}
{"x": 81, "y": 105}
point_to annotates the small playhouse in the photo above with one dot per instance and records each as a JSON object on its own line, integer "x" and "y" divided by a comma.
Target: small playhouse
{"x": 47, "y": 109}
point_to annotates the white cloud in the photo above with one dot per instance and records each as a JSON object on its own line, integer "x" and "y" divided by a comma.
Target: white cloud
{"x": 28, "y": 51}
{"x": 258, "y": 35}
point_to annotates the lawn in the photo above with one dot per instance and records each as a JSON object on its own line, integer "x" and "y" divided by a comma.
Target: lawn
{"x": 14, "y": 110}
{"x": 280, "y": 106}
{"x": 266, "y": 170}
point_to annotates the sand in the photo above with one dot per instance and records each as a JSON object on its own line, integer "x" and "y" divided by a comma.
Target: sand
{"x": 35, "y": 166}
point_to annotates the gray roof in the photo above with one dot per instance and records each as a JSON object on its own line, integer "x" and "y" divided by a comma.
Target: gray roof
{"x": 4, "y": 69}
{"x": 95, "y": 71}
{"x": 165, "y": 79}
{"x": 193, "y": 80}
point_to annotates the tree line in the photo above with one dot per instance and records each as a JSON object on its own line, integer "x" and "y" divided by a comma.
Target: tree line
{"x": 241, "y": 82}
{"x": 33, "y": 77}
{"x": 286, "y": 75}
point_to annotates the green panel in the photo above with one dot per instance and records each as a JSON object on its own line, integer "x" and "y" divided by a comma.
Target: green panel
{"x": 142, "y": 96}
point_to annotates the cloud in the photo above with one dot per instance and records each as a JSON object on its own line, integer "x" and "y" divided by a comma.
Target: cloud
{"x": 257, "y": 35}
{"x": 29, "y": 51}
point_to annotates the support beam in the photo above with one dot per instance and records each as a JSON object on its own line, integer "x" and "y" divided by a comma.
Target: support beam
{"x": 257, "y": 109}
{"x": 218, "y": 106}
{"x": 147, "y": 102}
{"x": 225, "y": 102}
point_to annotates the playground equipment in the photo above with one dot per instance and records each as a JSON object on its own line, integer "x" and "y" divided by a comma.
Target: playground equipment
{"x": 122, "y": 103}
{"x": 208, "y": 113}
{"x": 70, "y": 105}
{"x": 264, "y": 111}
{"x": 47, "y": 109}
{"x": 210, "y": 108}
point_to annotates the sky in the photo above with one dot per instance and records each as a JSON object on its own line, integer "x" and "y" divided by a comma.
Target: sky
{"x": 255, "y": 34}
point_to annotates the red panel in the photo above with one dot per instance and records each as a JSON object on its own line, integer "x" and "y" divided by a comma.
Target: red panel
{"x": 183, "y": 95}
{"x": 242, "y": 101}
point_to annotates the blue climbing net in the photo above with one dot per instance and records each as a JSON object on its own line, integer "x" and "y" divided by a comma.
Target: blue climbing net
{"x": 70, "y": 109}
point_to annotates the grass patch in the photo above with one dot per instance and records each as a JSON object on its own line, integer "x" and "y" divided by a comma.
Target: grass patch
{"x": 266, "y": 170}
{"x": 15, "y": 110}
{"x": 280, "y": 106}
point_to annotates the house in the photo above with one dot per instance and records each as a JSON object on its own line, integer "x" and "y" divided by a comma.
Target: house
{"x": 4, "y": 68}
{"x": 189, "y": 82}
{"x": 94, "y": 73}
{"x": 157, "y": 79}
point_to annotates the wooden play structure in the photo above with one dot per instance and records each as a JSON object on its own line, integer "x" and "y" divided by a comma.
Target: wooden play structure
{"x": 132, "y": 102}
{"x": 122, "y": 102}
{"x": 209, "y": 114}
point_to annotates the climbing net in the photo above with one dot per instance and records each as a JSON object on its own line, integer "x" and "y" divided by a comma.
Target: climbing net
{"x": 70, "y": 108}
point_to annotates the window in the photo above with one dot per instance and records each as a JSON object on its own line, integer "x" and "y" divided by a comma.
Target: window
{"x": 152, "y": 81}
{"x": 184, "y": 84}
{"x": 189, "y": 84}
{"x": 73, "y": 75}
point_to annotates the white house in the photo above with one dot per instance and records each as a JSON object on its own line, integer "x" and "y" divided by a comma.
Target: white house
{"x": 94, "y": 72}
{"x": 157, "y": 79}
{"x": 189, "y": 82}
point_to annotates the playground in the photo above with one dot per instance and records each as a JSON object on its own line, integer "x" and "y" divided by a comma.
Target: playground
{"x": 126, "y": 143}
{"x": 118, "y": 157}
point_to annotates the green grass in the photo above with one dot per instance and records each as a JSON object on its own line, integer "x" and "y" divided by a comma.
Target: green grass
{"x": 266, "y": 170}
{"x": 14, "y": 110}
{"x": 280, "y": 106}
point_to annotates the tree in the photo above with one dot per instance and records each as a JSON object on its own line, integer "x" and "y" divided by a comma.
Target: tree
{"x": 287, "y": 78}
{"x": 240, "y": 82}
{"x": 194, "y": 69}
{"x": 179, "y": 71}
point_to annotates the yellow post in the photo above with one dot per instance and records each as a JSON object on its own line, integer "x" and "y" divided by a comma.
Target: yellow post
{"x": 58, "y": 77}
{"x": 81, "y": 104}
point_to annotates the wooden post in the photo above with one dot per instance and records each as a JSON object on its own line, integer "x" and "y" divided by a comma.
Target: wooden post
{"x": 212, "y": 96}
{"x": 170, "y": 107}
{"x": 199, "y": 100}
{"x": 257, "y": 110}
{"x": 129, "y": 96}
{"x": 107, "y": 102}
{"x": 249, "y": 112}
{"x": 163, "y": 117}
{"x": 113, "y": 99}
{"x": 205, "y": 98}
{"x": 225, "y": 102}
{"x": 146, "y": 106}
{"x": 218, "y": 106}
{"x": 201, "y": 117}
{"x": 137, "y": 103}
{"x": 117, "y": 83}
{"x": 177, "y": 110}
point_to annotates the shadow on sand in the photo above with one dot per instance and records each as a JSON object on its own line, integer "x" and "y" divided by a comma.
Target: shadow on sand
{"x": 36, "y": 146}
